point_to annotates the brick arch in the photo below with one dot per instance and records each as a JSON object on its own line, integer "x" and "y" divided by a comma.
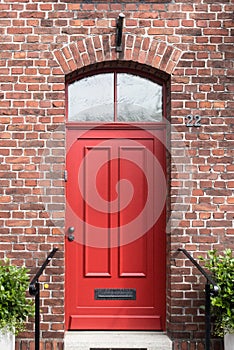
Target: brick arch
{"x": 101, "y": 48}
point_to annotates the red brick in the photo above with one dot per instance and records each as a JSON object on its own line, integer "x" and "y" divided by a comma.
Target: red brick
{"x": 41, "y": 44}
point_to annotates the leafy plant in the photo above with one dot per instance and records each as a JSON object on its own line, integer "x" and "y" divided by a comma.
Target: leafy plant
{"x": 222, "y": 269}
{"x": 14, "y": 305}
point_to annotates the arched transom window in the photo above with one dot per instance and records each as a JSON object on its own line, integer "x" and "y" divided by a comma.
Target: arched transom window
{"x": 115, "y": 97}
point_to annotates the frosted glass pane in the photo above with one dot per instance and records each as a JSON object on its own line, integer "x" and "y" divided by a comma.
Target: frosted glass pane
{"x": 139, "y": 99}
{"x": 92, "y": 99}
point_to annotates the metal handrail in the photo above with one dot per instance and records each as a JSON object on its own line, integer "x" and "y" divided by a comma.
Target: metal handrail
{"x": 208, "y": 293}
{"x": 200, "y": 268}
{"x": 34, "y": 289}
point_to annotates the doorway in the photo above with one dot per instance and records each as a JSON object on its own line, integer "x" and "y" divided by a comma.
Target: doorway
{"x": 115, "y": 216}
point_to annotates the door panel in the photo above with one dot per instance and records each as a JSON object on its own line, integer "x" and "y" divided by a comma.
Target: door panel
{"x": 115, "y": 267}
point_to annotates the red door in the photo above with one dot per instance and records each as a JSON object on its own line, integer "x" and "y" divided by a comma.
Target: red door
{"x": 115, "y": 266}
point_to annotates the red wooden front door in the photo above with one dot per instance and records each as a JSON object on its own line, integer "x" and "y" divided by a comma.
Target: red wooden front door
{"x": 115, "y": 266}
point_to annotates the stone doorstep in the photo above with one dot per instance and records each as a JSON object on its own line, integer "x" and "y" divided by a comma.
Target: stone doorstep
{"x": 106, "y": 340}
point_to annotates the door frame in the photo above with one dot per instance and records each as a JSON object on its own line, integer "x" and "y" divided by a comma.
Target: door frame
{"x": 80, "y": 128}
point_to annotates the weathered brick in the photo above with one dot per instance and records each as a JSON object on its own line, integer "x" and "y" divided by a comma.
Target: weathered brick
{"x": 41, "y": 44}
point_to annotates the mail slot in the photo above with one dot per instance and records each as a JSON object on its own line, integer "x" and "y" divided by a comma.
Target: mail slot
{"x": 115, "y": 294}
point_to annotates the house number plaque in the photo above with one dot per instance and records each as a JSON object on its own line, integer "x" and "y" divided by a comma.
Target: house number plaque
{"x": 193, "y": 120}
{"x": 115, "y": 294}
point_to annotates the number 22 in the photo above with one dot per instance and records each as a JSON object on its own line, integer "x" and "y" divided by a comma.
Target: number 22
{"x": 193, "y": 121}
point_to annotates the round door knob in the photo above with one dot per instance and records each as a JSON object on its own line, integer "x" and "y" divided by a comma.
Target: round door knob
{"x": 71, "y": 238}
{"x": 71, "y": 230}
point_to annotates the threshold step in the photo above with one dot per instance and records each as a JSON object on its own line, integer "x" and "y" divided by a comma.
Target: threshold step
{"x": 108, "y": 340}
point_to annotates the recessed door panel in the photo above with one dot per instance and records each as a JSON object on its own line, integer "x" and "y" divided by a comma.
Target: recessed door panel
{"x": 96, "y": 260}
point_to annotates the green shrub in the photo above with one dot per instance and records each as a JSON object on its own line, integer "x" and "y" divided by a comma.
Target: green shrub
{"x": 14, "y": 305}
{"x": 222, "y": 268}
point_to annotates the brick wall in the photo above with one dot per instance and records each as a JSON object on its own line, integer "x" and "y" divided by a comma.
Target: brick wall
{"x": 41, "y": 42}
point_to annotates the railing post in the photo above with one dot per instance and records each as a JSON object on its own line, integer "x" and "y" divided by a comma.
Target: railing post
{"x": 37, "y": 316}
{"x": 34, "y": 289}
{"x": 207, "y": 315}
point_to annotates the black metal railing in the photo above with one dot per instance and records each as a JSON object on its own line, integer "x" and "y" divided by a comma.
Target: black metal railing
{"x": 34, "y": 289}
{"x": 208, "y": 293}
